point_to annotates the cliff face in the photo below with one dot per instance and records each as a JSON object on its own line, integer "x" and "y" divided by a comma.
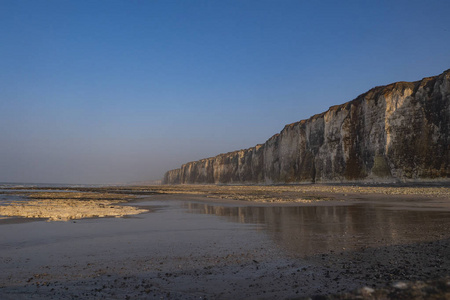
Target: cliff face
{"x": 398, "y": 132}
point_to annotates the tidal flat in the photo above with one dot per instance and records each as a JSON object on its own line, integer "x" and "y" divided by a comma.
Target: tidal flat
{"x": 223, "y": 242}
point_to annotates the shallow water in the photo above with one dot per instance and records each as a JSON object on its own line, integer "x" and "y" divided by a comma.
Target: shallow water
{"x": 311, "y": 230}
{"x": 166, "y": 233}
{"x": 297, "y": 230}
{"x": 6, "y": 199}
{"x": 196, "y": 248}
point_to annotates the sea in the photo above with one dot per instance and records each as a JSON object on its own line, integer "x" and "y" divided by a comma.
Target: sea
{"x": 8, "y": 189}
{"x": 21, "y": 185}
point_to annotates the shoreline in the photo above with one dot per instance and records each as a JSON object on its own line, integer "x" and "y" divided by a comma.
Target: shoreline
{"x": 430, "y": 197}
{"x": 318, "y": 198}
{"x": 257, "y": 261}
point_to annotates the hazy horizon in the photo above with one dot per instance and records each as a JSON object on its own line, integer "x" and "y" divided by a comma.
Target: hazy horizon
{"x": 96, "y": 92}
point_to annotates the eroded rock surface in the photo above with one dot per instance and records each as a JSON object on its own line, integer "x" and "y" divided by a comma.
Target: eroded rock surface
{"x": 394, "y": 132}
{"x": 64, "y": 206}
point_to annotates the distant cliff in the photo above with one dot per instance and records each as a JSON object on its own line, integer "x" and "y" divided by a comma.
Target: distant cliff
{"x": 394, "y": 132}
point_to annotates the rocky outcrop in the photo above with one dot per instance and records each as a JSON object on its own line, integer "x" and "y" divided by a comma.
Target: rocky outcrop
{"x": 394, "y": 132}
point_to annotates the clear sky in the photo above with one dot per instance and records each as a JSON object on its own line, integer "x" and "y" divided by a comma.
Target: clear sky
{"x": 119, "y": 91}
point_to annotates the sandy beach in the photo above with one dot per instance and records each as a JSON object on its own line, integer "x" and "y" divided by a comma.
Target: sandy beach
{"x": 223, "y": 242}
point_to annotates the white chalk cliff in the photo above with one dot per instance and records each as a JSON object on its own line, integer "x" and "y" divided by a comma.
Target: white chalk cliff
{"x": 394, "y": 132}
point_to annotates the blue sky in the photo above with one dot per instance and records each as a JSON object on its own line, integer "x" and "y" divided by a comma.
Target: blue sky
{"x": 119, "y": 91}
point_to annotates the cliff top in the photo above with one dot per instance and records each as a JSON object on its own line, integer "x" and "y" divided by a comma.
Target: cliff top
{"x": 373, "y": 93}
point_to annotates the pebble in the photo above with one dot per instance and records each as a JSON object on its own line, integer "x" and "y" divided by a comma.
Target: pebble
{"x": 367, "y": 290}
{"x": 400, "y": 285}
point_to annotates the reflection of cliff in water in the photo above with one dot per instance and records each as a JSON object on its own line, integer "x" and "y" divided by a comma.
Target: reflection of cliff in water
{"x": 310, "y": 230}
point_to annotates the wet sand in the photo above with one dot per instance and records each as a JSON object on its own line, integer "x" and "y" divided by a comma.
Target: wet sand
{"x": 193, "y": 246}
